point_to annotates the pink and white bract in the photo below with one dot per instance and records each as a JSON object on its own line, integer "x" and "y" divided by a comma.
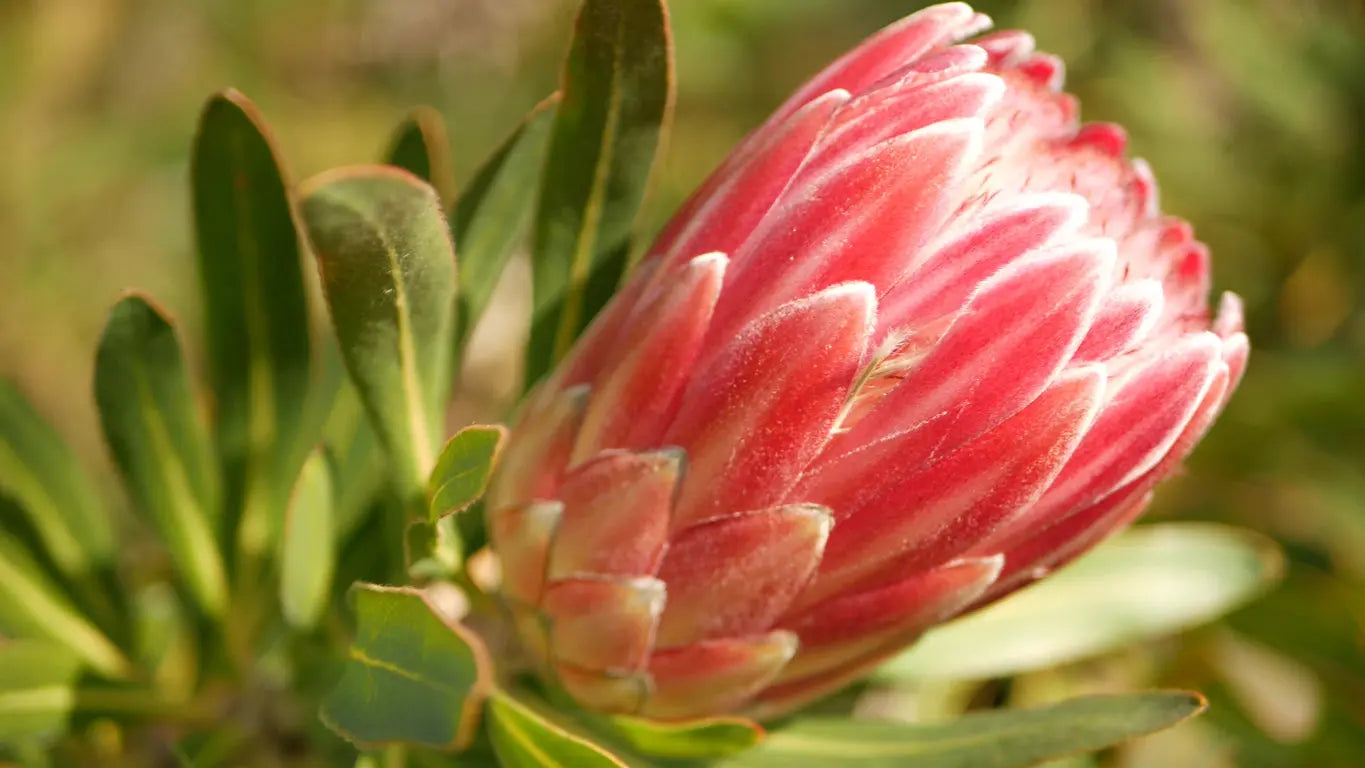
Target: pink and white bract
{"x": 920, "y": 340}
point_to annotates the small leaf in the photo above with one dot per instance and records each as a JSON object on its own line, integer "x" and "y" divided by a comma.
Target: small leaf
{"x": 617, "y": 97}
{"x": 462, "y": 472}
{"x": 493, "y": 212}
{"x": 523, "y": 739}
{"x": 421, "y": 147}
{"x": 412, "y": 677}
{"x": 705, "y": 738}
{"x": 159, "y": 443}
{"x": 255, "y": 312}
{"x": 42, "y": 474}
{"x": 32, "y": 606}
{"x": 36, "y": 679}
{"x": 308, "y": 547}
{"x": 388, "y": 270}
{"x": 996, "y": 739}
{"x": 1151, "y": 581}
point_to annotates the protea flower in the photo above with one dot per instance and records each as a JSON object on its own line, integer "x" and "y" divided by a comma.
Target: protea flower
{"x": 921, "y": 339}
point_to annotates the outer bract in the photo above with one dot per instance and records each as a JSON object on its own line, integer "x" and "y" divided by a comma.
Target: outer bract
{"x": 920, "y": 340}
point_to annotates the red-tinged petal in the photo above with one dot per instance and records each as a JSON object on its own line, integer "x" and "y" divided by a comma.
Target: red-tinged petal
{"x": 935, "y": 66}
{"x": 889, "y": 50}
{"x": 735, "y": 575}
{"x": 913, "y": 518}
{"x": 753, "y": 419}
{"x": 848, "y": 627}
{"x": 600, "y": 339}
{"x": 715, "y": 675}
{"x": 1142, "y": 419}
{"x": 622, "y": 693}
{"x": 1010, "y": 341}
{"x": 637, "y": 398}
{"x": 720, "y": 215}
{"x": 1125, "y": 317}
{"x": 782, "y": 699}
{"x": 1006, "y": 48}
{"x": 974, "y": 251}
{"x": 521, "y": 536}
{"x": 616, "y": 512}
{"x": 538, "y": 449}
{"x": 603, "y": 622}
{"x": 907, "y": 107}
{"x": 861, "y": 219}
{"x": 1230, "y": 319}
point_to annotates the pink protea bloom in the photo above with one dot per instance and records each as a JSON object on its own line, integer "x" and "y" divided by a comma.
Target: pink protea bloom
{"x": 921, "y": 339}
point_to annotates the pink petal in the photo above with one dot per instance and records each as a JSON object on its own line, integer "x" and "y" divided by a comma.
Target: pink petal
{"x": 616, "y": 510}
{"x": 735, "y": 575}
{"x": 911, "y": 519}
{"x": 1125, "y": 317}
{"x": 1012, "y": 338}
{"x": 538, "y": 449}
{"x": 862, "y": 219}
{"x": 1006, "y": 48}
{"x": 521, "y": 536}
{"x": 715, "y": 675}
{"x": 603, "y": 622}
{"x": 638, "y": 396}
{"x": 847, "y": 627}
{"x": 753, "y": 419}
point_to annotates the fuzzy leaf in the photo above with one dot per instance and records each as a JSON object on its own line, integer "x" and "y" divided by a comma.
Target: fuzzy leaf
{"x": 412, "y": 675}
{"x": 308, "y": 547}
{"x": 388, "y": 270}
{"x": 524, "y": 739}
{"x": 617, "y": 97}
{"x": 255, "y": 312}
{"x": 42, "y": 474}
{"x": 421, "y": 147}
{"x": 36, "y": 695}
{"x": 493, "y": 212}
{"x": 159, "y": 443}
{"x": 997, "y": 739}
{"x": 462, "y": 472}
{"x": 1153, "y": 580}
{"x": 32, "y": 606}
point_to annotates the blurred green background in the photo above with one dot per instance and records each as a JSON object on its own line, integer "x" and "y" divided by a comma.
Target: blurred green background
{"x": 1251, "y": 111}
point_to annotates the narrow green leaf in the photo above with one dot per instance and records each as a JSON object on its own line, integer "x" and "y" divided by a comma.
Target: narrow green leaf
{"x": 159, "y": 443}
{"x": 996, "y": 739}
{"x": 355, "y": 451}
{"x": 32, "y": 606}
{"x": 412, "y": 675}
{"x": 617, "y": 97}
{"x": 464, "y": 468}
{"x": 705, "y": 738}
{"x": 1151, "y": 581}
{"x": 388, "y": 270}
{"x": 308, "y": 547}
{"x": 36, "y": 679}
{"x": 524, "y": 739}
{"x": 255, "y": 312}
{"x": 493, "y": 212}
{"x": 421, "y": 147}
{"x": 164, "y": 639}
{"x": 42, "y": 474}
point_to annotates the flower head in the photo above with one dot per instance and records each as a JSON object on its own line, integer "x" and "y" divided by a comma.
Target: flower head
{"x": 921, "y": 339}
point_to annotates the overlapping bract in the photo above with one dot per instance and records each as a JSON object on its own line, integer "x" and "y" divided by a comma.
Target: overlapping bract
{"x": 921, "y": 339}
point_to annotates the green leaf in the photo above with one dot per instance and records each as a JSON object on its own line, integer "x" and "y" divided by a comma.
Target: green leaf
{"x": 356, "y": 454}
{"x": 36, "y": 695}
{"x": 493, "y": 212}
{"x": 255, "y": 312}
{"x": 1151, "y": 581}
{"x": 996, "y": 739}
{"x": 412, "y": 675}
{"x": 32, "y": 606}
{"x": 159, "y": 443}
{"x": 464, "y": 468}
{"x": 165, "y": 643}
{"x": 524, "y": 739}
{"x": 388, "y": 270}
{"x": 42, "y": 474}
{"x": 617, "y": 97}
{"x": 308, "y": 547}
{"x": 421, "y": 147}
{"x": 709, "y": 737}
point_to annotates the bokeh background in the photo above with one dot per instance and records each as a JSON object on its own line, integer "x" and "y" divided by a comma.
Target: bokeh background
{"x": 1251, "y": 111}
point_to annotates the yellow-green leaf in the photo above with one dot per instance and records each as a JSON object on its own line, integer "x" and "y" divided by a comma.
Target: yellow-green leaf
{"x": 36, "y": 695}
{"x": 308, "y": 546}
{"x": 421, "y": 147}
{"x": 708, "y": 737}
{"x": 159, "y": 443}
{"x": 462, "y": 472}
{"x": 524, "y": 739}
